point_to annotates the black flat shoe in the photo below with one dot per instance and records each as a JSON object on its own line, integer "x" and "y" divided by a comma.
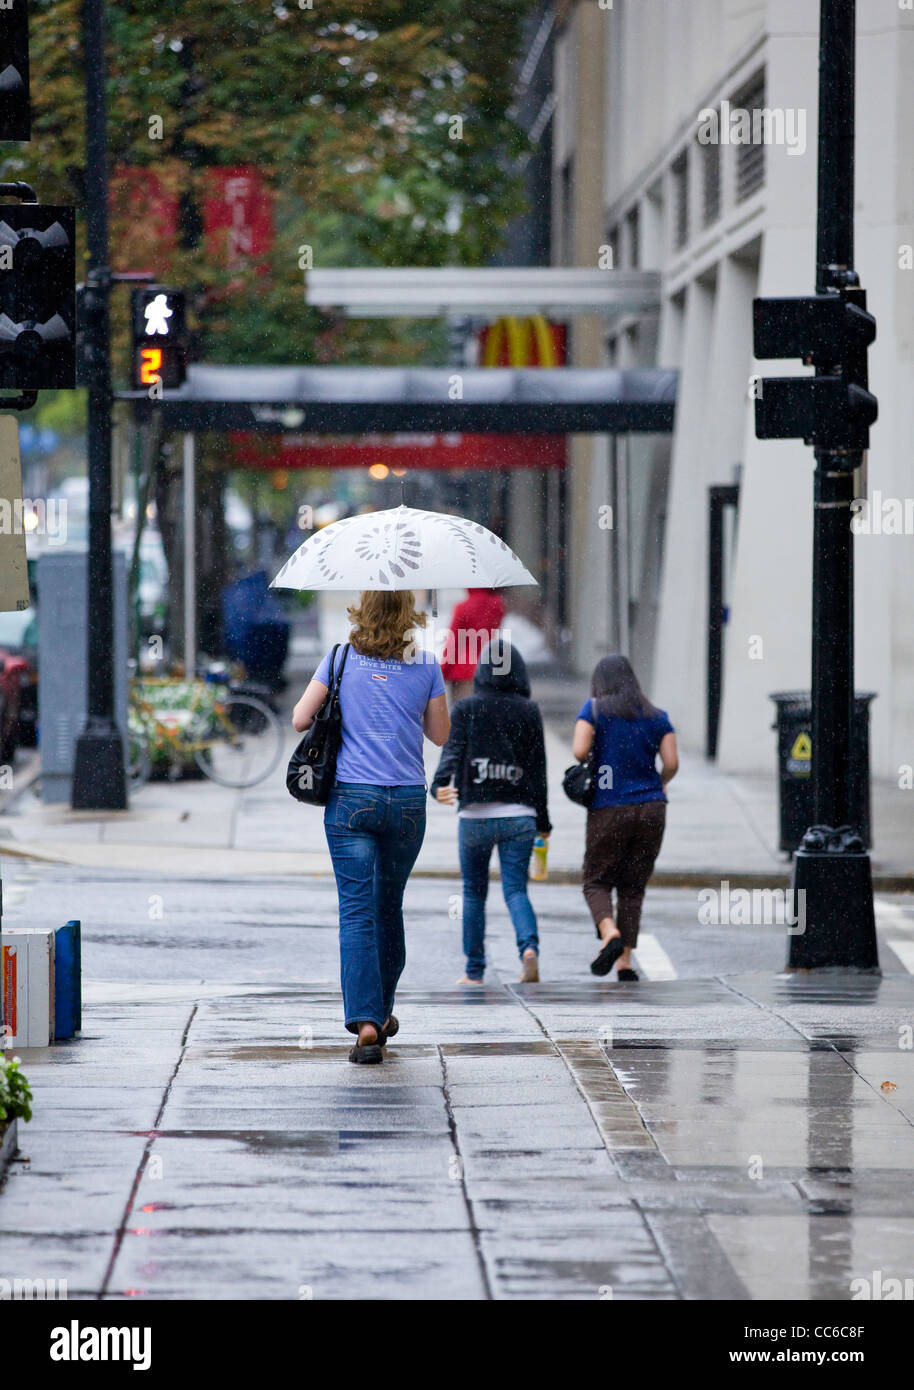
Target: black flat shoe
{"x": 369, "y": 1054}
{"x": 608, "y": 956}
{"x": 390, "y": 1030}
{"x": 626, "y": 975}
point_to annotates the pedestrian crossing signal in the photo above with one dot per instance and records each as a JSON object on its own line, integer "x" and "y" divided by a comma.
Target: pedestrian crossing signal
{"x": 834, "y": 409}
{"x": 15, "y": 112}
{"x": 159, "y": 338}
{"x": 37, "y": 297}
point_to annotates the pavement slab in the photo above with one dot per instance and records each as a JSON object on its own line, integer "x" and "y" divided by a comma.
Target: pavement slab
{"x": 718, "y": 1135}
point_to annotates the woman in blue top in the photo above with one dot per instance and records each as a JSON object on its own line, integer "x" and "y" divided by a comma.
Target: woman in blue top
{"x": 627, "y": 814}
{"x": 391, "y": 694}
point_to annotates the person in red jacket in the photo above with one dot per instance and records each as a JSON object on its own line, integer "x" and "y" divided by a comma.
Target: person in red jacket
{"x": 475, "y": 622}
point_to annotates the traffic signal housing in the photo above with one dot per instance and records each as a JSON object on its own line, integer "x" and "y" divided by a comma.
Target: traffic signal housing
{"x": 159, "y": 337}
{"x": 15, "y": 109}
{"x": 37, "y": 296}
{"x": 832, "y": 332}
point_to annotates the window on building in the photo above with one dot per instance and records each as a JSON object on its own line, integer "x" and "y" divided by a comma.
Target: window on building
{"x": 633, "y": 228}
{"x": 680, "y": 173}
{"x": 709, "y": 157}
{"x": 566, "y": 215}
{"x": 750, "y": 158}
{"x": 612, "y": 242}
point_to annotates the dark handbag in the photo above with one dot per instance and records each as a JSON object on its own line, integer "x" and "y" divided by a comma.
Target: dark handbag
{"x": 579, "y": 781}
{"x": 312, "y": 767}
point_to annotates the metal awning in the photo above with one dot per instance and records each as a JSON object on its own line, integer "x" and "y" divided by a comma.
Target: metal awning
{"x": 432, "y": 292}
{"x": 357, "y": 400}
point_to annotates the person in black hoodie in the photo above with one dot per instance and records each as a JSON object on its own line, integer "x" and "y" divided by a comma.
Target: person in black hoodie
{"x": 494, "y": 766}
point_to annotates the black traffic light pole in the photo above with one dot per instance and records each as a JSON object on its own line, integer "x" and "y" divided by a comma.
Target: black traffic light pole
{"x": 99, "y": 776}
{"x": 833, "y": 555}
{"x": 831, "y": 867}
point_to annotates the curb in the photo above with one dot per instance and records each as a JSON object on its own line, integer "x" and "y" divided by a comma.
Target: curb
{"x": 665, "y": 878}
{"x": 9, "y": 1147}
{"x": 690, "y": 878}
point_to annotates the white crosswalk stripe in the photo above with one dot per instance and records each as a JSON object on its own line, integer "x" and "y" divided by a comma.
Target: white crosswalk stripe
{"x": 653, "y": 959}
{"x": 896, "y": 928}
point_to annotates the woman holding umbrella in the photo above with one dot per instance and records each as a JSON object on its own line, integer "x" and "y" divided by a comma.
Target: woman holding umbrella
{"x": 375, "y": 818}
{"x": 391, "y": 694}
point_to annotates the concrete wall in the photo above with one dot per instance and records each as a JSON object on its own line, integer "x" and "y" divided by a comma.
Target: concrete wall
{"x": 664, "y": 60}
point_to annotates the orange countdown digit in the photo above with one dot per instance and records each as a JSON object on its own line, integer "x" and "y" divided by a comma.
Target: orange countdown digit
{"x": 150, "y": 365}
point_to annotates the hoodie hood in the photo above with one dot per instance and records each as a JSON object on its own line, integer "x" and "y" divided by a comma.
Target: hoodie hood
{"x": 501, "y": 671}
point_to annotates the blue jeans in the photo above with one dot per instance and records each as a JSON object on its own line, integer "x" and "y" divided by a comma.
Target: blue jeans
{"x": 514, "y": 836}
{"x": 374, "y": 835}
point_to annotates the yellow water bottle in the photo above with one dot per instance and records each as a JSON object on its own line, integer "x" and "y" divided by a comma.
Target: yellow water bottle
{"x": 538, "y": 868}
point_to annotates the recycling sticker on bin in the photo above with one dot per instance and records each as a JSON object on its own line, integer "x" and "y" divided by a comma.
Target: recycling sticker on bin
{"x": 800, "y": 760}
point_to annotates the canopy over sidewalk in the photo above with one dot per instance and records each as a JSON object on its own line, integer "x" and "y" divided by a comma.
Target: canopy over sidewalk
{"x": 354, "y": 400}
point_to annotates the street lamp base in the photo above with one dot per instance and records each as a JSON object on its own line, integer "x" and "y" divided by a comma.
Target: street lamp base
{"x": 99, "y": 775}
{"x": 832, "y": 891}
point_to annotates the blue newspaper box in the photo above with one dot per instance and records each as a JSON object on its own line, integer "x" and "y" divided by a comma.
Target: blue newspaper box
{"x": 67, "y": 986}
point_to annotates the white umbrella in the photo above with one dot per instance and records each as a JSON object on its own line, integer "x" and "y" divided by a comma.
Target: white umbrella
{"x": 403, "y": 548}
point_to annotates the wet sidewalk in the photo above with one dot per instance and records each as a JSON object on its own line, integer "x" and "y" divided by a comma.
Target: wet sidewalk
{"x": 718, "y": 826}
{"x": 728, "y": 1134}
{"x": 737, "y": 1138}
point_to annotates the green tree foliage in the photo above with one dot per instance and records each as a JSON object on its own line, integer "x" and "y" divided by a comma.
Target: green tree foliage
{"x": 347, "y": 110}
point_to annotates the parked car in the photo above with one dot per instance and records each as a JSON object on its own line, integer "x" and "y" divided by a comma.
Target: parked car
{"x": 18, "y": 681}
{"x": 13, "y": 670}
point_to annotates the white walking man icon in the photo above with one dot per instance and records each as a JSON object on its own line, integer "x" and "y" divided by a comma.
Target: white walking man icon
{"x": 157, "y": 314}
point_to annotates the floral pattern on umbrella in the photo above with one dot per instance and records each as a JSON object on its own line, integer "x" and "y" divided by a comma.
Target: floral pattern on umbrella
{"x": 402, "y": 548}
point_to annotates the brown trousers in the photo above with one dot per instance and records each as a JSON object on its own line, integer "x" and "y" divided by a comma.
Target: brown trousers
{"x": 621, "y": 846}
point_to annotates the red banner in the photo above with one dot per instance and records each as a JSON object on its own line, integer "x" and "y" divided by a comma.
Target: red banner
{"x": 237, "y": 216}
{"x": 398, "y": 451}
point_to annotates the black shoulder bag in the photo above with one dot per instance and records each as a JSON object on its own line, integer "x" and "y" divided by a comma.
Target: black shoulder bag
{"x": 312, "y": 767}
{"x": 579, "y": 780}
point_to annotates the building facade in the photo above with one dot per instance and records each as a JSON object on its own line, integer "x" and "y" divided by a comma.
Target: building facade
{"x": 684, "y": 141}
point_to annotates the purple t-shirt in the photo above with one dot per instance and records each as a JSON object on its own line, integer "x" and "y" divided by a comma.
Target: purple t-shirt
{"x": 382, "y": 703}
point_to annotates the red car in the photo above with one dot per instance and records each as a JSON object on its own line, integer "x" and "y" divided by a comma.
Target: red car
{"x": 18, "y": 681}
{"x": 14, "y": 673}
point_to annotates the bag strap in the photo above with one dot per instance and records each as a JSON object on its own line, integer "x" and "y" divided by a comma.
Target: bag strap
{"x": 342, "y": 665}
{"x": 330, "y": 677}
{"x": 334, "y": 681}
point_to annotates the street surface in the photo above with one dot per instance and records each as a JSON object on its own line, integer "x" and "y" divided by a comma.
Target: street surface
{"x": 715, "y": 1131}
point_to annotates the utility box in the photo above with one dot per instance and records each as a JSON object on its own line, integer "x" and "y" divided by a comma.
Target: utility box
{"x": 62, "y": 684}
{"x": 27, "y": 974}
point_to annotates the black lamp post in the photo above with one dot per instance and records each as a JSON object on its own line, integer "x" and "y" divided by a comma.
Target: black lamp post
{"x": 99, "y": 776}
{"x": 832, "y": 882}
{"x": 831, "y": 867}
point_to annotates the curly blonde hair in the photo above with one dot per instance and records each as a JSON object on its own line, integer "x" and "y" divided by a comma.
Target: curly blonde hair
{"x": 382, "y": 621}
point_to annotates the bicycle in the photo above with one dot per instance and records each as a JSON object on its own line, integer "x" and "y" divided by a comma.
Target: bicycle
{"x": 235, "y": 740}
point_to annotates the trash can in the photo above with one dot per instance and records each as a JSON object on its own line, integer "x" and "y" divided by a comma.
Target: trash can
{"x": 794, "y": 728}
